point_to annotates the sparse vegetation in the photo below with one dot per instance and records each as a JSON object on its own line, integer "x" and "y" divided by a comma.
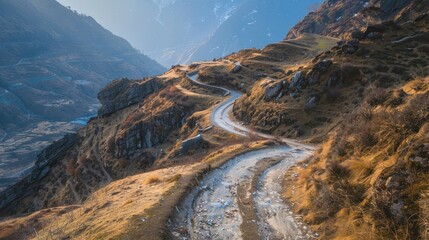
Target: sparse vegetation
{"x": 369, "y": 180}
{"x": 175, "y": 178}
{"x": 152, "y": 179}
{"x": 372, "y": 186}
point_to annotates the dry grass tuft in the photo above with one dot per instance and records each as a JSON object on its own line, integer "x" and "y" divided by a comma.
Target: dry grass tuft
{"x": 152, "y": 179}
{"x": 360, "y": 169}
{"x": 174, "y": 178}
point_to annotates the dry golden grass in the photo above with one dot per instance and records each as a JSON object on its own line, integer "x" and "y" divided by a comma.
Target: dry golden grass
{"x": 136, "y": 207}
{"x": 154, "y": 227}
{"x": 152, "y": 179}
{"x": 29, "y": 225}
{"x": 361, "y": 169}
{"x": 174, "y": 178}
{"x": 107, "y": 213}
{"x": 344, "y": 192}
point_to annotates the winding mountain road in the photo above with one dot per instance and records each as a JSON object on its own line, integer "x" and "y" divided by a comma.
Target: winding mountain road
{"x": 242, "y": 199}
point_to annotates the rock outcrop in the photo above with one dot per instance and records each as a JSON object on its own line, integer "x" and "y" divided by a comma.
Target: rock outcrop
{"x": 192, "y": 143}
{"x": 123, "y": 92}
{"x": 112, "y": 146}
{"x": 149, "y": 133}
{"x": 273, "y": 88}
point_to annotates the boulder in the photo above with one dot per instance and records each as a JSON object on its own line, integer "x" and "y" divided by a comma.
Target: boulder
{"x": 237, "y": 68}
{"x": 192, "y": 143}
{"x": 296, "y": 80}
{"x": 323, "y": 65}
{"x": 375, "y": 28}
{"x": 295, "y": 95}
{"x": 311, "y": 102}
{"x": 357, "y": 34}
{"x": 349, "y": 47}
{"x": 318, "y": 68}
{"x": 273, "y": 90}
{"x": 313, "y": 77}
{"x": 374, "y": 35}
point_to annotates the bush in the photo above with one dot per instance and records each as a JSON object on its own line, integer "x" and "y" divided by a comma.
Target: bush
{"x": 152, "y": 179}
{"x": 336, "y": 171}
{"x": 377, "y": 97}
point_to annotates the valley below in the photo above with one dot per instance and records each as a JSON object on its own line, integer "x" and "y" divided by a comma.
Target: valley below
{"x": 323, "y": 135}
{"x": 17, "y": 152}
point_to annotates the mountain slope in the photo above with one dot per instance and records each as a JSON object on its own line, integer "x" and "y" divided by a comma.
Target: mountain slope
{"x": 337, "y": 18}
{"x": 366, "y": 101}
{"x": 370, "y": 95}
{"x": 52, "y": 64}
{"x": 363, "y": 99}
{"x": 46, "y": 49}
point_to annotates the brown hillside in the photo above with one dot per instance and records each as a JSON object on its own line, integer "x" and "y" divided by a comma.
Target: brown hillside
{"x": 339, "y": 18}
{"x": 364, "y": 99}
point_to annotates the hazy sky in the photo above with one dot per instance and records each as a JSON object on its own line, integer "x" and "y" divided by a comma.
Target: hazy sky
{"x": 167, "y": 33}
{"x": 107, "y": 12}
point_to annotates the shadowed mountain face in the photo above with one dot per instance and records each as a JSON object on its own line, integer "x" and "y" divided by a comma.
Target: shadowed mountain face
{"x": 53, "y": 61}
{"x": 52, "y": 64}
{"x": 189, "y": 30}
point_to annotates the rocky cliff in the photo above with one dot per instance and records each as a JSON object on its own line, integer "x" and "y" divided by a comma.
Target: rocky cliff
{"x": 339, "y": 18}
{"x": 122, "y": 93}
{"x": 362, "y": 97}
{"x": 137, "y": 122}
{"x": 368, "y": 180}
{"x": 53, "y": 61}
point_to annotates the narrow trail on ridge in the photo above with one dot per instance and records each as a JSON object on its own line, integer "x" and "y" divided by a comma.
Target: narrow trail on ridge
{"x": 242, "y": 199}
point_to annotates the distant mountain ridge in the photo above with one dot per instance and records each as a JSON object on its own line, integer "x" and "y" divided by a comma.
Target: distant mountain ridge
{"x": 183, "y": 31}
{"x": 255, "y": 24}
{"x": 46, "y": 45}
{"x": 362, "y": 96}
{"x": 53, "y": 62}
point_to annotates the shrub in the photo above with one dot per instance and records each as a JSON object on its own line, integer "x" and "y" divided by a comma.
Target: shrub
{"x": 377, "y": 97}
{"x": 152, "y": 179}
{"x": 367, "y": 137}
{"x": 174, "y": 178}
{"x": 337, "y": 171}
